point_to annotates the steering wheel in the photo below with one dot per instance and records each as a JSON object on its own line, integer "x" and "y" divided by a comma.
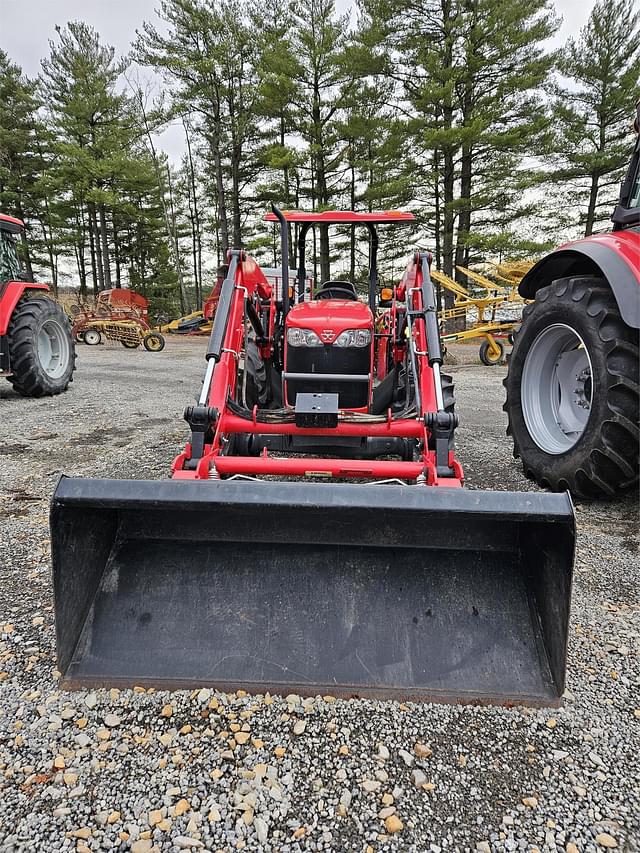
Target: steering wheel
{"x": 328, "y": 293}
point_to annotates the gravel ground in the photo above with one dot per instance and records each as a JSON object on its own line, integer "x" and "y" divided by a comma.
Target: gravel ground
{"x": 135, "y": 770}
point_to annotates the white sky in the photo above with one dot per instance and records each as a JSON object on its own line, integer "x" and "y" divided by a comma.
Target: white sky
{"x": 26, "y": 26}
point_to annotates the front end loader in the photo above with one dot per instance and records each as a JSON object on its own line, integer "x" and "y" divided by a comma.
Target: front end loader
{"x": 315, "y": 535}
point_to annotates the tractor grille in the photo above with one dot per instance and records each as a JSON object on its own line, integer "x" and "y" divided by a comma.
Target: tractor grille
{"x": 330, "y": 359}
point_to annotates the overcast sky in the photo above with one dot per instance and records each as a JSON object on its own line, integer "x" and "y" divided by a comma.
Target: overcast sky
{"x": 26, "y": 26}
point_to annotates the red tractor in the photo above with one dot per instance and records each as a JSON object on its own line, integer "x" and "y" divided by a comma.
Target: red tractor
{"x": 368, "y": 569}
{"x": 573, "y": 380}
{"x": 37, "y": 354}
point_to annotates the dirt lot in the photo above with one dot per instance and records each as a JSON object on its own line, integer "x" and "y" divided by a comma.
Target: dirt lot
{"x": 125, "y": 770}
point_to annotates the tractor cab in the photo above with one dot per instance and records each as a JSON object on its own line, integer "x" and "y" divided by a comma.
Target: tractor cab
{"x": 627, "y": 211}
{"x": 329, "y": 340}
{"x": 10, "y": 267}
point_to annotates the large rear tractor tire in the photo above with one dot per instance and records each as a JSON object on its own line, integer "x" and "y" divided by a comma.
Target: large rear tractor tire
{"x": 572, "y": 390}
{"x": 41, "y": 349}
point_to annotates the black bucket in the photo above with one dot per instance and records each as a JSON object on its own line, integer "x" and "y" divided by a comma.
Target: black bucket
{"x": 355, "y": 590}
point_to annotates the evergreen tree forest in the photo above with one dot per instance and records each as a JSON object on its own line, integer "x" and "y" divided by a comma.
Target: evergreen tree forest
{"x": 457, "y": 110}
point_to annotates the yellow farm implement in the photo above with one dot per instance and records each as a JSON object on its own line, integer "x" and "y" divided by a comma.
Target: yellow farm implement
{"x": 129, "y": 333}
{"x": 479, "y": 312}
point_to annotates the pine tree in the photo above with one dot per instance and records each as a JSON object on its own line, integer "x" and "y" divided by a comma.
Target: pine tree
{"x": 471, "y": 73}
{"x": 207, "y": 55}
{"x": 91, "y": 122}
{"x": 25, "y": 161}
{"x": 595, "y": 108}
{"x": 322, "y": 83}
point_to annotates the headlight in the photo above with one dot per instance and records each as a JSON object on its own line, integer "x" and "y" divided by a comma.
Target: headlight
{"x": 353, "y": 338}
{"x": 302, "y": 338}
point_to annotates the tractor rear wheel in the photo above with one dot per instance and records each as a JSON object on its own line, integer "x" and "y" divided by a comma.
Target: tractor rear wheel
{"x": 572, "y": 390}
{"x": 41, "y": 350}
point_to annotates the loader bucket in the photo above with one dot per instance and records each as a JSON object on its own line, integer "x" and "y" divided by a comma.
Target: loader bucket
{"x": 354, "y": 590}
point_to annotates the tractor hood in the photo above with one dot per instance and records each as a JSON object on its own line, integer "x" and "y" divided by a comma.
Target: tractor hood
{"x": 330, "y": 315}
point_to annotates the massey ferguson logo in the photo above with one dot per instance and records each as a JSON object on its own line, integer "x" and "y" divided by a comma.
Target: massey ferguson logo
{"x": 327, "y": 335}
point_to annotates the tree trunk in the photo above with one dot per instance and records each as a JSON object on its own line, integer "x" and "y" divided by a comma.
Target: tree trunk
{"x": 464, "y": 208}
{"x": 196, "y": 230}
{"x": 80, "y": 245}
{"x": 92, "y": 252}
{"x": 104, "y": 236}
{"x": 235, "y": 196}
{"x": 437, "y": 223}
{"x": 352, "y": 230}
{"x": 321, "y": 183}
{"x": 116, "y": 251}
{"x": 591, "y": 208}
{"x": 171, "y": 236}
{"x": 82, "y": 273}
{"x": 222, "y": 205}
{"x": 97, "y": 244}
{"x": 176, "y": 246}
{"x": 448, "y": 155}
{"x": 194, "y": 250}
{"x": 25, "y": 251}
{"x": 285, "y": 168}
{"x": 448, "y": 212}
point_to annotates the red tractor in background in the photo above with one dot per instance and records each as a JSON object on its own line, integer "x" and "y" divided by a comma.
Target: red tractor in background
{"x": 573, "y": 379}
{"x": 37, "y": 353}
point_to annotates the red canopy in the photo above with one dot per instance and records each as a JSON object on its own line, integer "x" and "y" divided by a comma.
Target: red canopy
{"x": 340, "y": 217}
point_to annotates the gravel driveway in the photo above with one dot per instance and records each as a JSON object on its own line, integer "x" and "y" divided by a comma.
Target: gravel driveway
{"x": 140, "y": 771}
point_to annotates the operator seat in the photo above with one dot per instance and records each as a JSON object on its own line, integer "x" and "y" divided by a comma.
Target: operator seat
{"x": 335, "y": 289}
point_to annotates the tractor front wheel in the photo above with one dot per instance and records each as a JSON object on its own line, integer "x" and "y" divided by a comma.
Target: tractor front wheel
{"x": 572, "y": 390}
{"x": 41, "y": 349}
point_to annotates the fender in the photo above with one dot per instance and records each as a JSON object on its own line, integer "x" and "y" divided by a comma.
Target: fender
{"x": 10, "y": 294}
{"x": 614, "y": 256}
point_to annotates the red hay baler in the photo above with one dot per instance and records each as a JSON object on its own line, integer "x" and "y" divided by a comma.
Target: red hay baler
{"x": 368, "y": 570}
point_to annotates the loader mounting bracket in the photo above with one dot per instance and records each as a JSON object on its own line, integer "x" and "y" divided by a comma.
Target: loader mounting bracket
{"x": 200, "y": 419}
{"x": 317, "y": 411}
{"x": 442, "y": 426}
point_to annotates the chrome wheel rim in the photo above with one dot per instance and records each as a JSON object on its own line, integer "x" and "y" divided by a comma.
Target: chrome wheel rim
{"x": 557, "y": 389}
{"x": 53, "y": 348}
